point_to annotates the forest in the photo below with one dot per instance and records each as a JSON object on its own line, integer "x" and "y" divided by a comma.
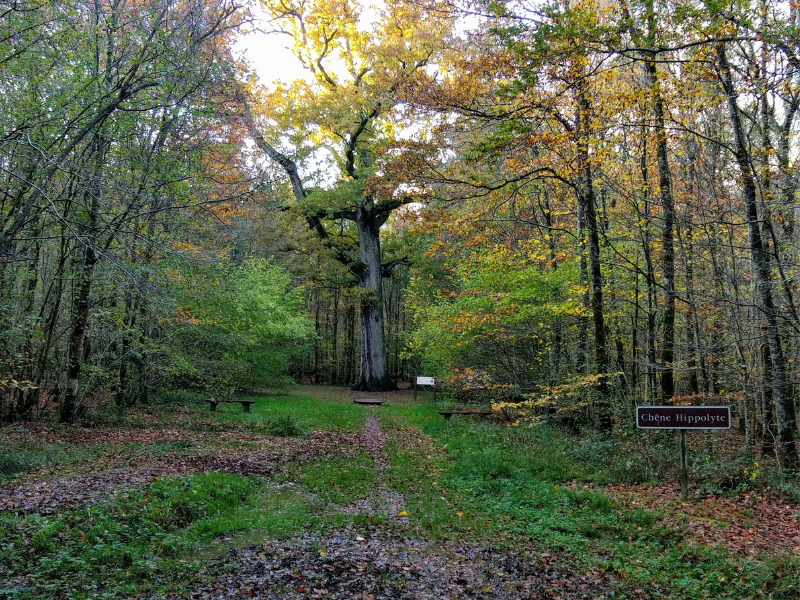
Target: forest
{"x": 559, "y": 209}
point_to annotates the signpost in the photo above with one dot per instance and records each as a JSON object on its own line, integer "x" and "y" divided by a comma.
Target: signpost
{"x": 424, "y": 381}
{"x": 683, "y": 418}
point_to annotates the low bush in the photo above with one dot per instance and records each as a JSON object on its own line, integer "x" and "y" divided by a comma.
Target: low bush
{"x": 280, "y": 426}
{"x": 18, "y": 462}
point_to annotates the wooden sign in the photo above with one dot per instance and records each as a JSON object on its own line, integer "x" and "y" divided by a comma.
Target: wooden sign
{"x": 683, "y": 417}
{"x": 425, "y": 381}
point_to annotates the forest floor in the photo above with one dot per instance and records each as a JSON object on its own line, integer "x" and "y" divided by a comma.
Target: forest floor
{"x": 311, "y": 496}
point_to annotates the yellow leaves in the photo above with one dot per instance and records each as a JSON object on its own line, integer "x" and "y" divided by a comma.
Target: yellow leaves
{"x": 185, "y": 316}
{"x": 182, "y": 245}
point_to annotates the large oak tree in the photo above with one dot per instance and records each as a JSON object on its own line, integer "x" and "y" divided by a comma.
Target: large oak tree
{"x": 349, "y": 116}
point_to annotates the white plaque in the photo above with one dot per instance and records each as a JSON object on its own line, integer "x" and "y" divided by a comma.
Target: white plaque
{"x": 426, "y": 381}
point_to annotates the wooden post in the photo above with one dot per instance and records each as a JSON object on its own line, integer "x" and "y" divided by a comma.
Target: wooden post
{"x": 434, "y": 390}
{"x": 684, "y": 473}
{"x": 415, "y": 388}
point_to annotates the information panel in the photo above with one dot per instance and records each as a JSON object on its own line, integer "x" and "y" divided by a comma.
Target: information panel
{"x": 683, "y": 417}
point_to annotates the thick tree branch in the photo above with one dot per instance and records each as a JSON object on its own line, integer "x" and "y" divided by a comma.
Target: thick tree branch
{"x": 288, "y": 165}
{"x": 388, "y": 268}
{"x": 352, "y": 141}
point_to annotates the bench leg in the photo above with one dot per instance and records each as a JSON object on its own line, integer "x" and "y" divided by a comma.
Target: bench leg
{"x": 246, "y": 407}
{"x": 212, "y": 406}
{"x": 447, "y": 417}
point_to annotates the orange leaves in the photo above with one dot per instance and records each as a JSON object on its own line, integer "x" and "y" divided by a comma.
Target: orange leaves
{"x": 185, "y": 316}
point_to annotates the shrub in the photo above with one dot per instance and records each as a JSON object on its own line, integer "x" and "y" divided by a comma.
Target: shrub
{"x": 17, "y": 462}
{"x": 285, "y": 426}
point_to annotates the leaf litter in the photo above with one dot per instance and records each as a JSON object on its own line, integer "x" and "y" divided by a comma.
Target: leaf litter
{"x": 375, "y": 564}
{"x": 748, "y": 523}
{"x": 52, "y": 494}
{"x": 380, "y": 565}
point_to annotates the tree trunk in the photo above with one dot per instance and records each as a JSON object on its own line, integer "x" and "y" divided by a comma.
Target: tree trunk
{"x": 374, "y": 376}
{"x": 80, "y": 317}
{"x": 595, "y": 273}
{"x": 784, "y": 408}
{"x": 668, "y": 210}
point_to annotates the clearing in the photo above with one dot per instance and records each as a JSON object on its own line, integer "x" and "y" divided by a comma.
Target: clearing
{"x": 313, "y": 496}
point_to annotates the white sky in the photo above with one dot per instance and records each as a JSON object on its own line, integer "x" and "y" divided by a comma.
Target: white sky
{"x": 270, "y": 57}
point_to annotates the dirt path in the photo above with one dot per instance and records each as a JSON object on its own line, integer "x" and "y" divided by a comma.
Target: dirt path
{"x": 374, "y": 439}
{"x": 381, "y": 566}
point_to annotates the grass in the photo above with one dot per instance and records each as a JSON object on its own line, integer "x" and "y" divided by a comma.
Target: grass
{"x": 460, "y": 480}
{"x": 150, "y": 540}
{"x": 19, "y": 462}
{"x": 523, "y": 487}
{"x": 121, "y": 541}
{"x": 337, "y": 481}
{"x": 307, "y": 412}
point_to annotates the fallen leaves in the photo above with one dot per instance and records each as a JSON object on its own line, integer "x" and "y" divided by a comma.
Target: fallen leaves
{"x": 374, "y": 438}
{"x": 747, "y": 523}
{"x": 59, "y": 493}
{"x": 387, "y": 566}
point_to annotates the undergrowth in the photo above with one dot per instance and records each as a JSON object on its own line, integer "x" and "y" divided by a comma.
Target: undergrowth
{"x": 119, "y": 545}
{"x": 17, "y": 462}
{"x": 536, "y": 487}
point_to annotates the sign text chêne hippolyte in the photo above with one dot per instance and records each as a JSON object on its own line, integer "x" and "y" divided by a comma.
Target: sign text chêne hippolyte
{"x": 683, "y": 417}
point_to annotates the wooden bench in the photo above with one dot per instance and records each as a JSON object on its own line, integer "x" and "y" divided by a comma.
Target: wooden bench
{"x": 482, "y": 413}
{"x": 212, "y": 402}
{"x": 369, "y": 401}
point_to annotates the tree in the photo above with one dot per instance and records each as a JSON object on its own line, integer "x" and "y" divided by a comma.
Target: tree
{"x": 623, "y": 110}
{"x": 787, "y": 426}
{"x": 350, "y": 112}
{"x": 236, "y": 326}
{"x": 103, "y": 102}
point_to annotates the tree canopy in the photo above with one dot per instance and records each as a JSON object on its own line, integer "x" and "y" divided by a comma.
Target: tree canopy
{"x": 581, "y": 206}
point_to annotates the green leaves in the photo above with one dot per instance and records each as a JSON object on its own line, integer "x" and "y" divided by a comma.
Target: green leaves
{"x": 497, "y": 298}
{"x": 238, "y": 326}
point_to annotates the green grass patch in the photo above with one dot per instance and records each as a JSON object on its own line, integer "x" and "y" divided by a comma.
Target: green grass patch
{"x": 14, "y": 463}
{"x": 337, "y": 481}
{"x": 305, "y": 412}
{"x": 121, "y": 543}
{"x": 402, "y": 414}
{"x": 521, "y": 487}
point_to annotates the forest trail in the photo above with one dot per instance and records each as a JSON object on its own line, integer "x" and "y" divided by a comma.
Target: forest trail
{"x": 382, "y": 566}
{"x": 376, "y": 562}
{"x": 373, "y": 547}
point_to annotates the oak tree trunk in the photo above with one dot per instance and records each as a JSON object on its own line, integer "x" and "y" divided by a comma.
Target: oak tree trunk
{"x": 374, "y": 375}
